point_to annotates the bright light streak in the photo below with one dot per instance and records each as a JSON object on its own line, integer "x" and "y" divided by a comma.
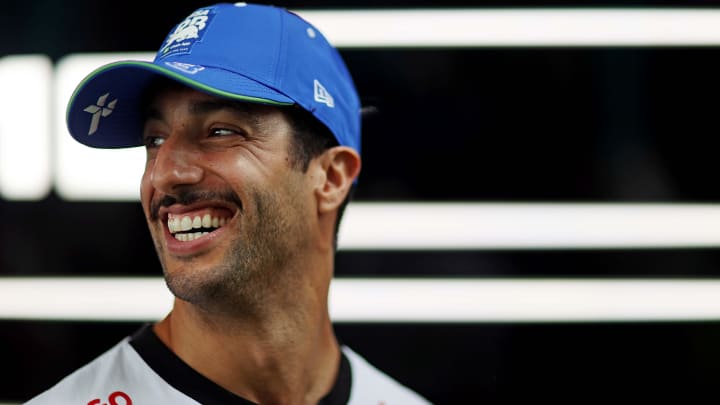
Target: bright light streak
{"x": 526, "y": 27}
{"x": 70, "y": 298}
{"x": 25, "y": 104}
{"x": 442, "y": 226}
{"x": 508, "y": 300}
{"x": 84, "y": 173}
{"x": 391, "y": 300}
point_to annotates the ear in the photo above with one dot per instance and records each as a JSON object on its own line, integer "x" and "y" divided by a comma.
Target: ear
{"x": 340, "y": 166}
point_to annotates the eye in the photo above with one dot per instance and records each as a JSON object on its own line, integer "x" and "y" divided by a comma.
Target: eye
{"x": 220, "y": 132}
{"x": 153, "y": 141}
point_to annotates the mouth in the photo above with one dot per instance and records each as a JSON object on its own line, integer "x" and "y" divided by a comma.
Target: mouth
{"x": 190, "y": 226}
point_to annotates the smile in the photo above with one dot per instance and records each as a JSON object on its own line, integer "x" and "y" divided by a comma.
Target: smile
{"x": 187, "y": 228}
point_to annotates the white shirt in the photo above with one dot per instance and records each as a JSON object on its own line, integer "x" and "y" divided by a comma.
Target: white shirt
{"x": 142, "y": 370}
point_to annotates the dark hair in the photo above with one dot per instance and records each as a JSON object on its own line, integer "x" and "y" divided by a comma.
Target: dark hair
{"x": 310, "y": 139}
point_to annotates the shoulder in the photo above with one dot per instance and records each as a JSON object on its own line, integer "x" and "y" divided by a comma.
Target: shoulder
{"x": 118, "y": 376}
{"x": 90, "y": 381}
{"x": 372, "y": 386}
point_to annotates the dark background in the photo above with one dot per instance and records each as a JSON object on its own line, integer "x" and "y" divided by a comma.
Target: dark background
{"x": 471, "y": 124}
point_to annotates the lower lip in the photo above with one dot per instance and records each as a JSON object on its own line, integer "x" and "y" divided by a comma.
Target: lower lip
{"x": 193, "y": 247}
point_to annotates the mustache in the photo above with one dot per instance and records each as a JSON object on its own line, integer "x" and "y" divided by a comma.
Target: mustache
{"x": 187, "y": 197}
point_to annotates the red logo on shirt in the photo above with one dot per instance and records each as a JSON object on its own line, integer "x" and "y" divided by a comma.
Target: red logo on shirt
{"x": 112, "y": 399}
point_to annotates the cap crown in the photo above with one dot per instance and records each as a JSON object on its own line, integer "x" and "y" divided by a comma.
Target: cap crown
{"x": 248, "y": 52}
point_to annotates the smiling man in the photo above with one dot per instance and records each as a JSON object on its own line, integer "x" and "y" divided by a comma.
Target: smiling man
{"x": 251, "y": 124}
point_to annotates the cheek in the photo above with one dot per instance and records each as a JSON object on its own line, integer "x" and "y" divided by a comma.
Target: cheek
{"x": 146, "y": 189}
{"x": 231, "y": 170}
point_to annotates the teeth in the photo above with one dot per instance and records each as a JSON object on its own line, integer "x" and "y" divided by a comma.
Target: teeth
{"x": 187, "y": 237}
{"x": 186, "y": 223}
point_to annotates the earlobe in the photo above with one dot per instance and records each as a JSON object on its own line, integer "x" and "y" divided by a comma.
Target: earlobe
{"x": 341, "y": 166}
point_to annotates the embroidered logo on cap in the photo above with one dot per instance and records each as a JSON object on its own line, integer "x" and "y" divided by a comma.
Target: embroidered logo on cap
{"x": 322, "y": 95}
{"x": 99, "y": 110}
{"x": 186, "y": 33}
{"x": 186, "y": 67}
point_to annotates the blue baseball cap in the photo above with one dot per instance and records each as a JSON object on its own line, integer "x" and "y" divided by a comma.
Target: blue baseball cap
{"x": 254, "y": 53}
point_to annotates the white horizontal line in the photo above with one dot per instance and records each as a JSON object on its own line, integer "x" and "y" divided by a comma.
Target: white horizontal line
{"x": 72, "y": 298}
{"x": 518, "y": 27}
{"x": 458, "y": 226}
{"x": 390, "y": 300}
{"x": 472, "y": 300}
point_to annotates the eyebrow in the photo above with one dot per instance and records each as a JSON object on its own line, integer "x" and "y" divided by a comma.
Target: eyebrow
{"x": 243, "y": 109}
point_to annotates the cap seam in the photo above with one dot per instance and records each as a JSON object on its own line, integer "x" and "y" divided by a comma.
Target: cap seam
{"x": 277, "y": 77}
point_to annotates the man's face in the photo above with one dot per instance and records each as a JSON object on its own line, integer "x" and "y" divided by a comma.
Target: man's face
{"x": 227, "y": 211}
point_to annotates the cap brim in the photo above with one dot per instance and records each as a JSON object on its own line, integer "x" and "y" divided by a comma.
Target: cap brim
{"x": 105, "y": 110}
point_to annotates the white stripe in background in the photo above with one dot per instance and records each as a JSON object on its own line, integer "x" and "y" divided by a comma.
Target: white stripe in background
{"x": 74, "y": 298}
{"x": 518, "y": 27}
{"x": 25, "y": 110}
{"x": 391, "y": 300}
{"x": 458, "y": 226}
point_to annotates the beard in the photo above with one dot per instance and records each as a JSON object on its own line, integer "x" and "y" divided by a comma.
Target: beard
{"x": 257, "y": 265}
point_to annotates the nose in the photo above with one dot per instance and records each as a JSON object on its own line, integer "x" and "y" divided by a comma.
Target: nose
{"x": 175, "y": 165}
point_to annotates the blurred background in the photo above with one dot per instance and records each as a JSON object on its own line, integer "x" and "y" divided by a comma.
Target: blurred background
{"x": 542, "y": 119}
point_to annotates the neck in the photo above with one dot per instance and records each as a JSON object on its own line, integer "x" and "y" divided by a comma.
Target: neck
{"x": 287, "y": 354}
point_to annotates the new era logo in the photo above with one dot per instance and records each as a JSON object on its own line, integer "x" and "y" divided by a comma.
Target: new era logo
{"x": 322, "y": 95}
{"x": 99, "y": 110}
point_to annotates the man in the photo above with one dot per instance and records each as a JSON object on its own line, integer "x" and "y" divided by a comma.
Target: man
{"x": 252, "y": 128}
